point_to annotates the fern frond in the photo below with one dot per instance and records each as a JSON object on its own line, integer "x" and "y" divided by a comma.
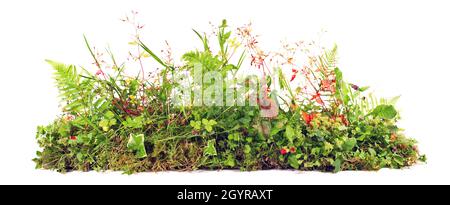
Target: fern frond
{"x": 331, "y": 57}
{"x": 71, "y": 87}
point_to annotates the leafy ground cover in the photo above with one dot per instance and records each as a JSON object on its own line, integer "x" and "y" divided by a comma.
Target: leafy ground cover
{"x": 305, "y": 115}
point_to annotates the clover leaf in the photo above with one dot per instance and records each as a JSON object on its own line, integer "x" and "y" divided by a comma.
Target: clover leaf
{"x": 208, "y": 124}
{"x": 197, "y": 125}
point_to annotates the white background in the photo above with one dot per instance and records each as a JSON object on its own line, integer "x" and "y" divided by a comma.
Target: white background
{"x": 396, "y": 47}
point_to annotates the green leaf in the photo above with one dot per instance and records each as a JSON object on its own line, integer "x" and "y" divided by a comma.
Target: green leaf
{"x": 112, "y": 122}
{"x": 293, "y": 161}
{"x": 197, "y": 125}
{"x": 315, "y": 151}
{"x": 399, "y": 160}
{"x": 231, "y": 162}
{"x": 109, "y": 115}
{"x": 337, "y": 165}
{"x": 209, "y": 124}
{"x": 384, "y": 111}
{"x": 90, "y": 51}
{"x": 210, "y": 149}
{"x": 136, "y": 143}
{"x": 342, "y": 89}
{"x": 204, "y": 41}
{"x": 328, "y": 147}
{"x": 146, "y": 49}
{"x": 80, "y": 156}
{"x": 372, "y": 152}
{"x": 104, "y": 124}
{"x": 393, "y": 100}
{"x": 247, "y": 149}
{"x": 362, "y": 89}
{"x": 136, "y": 122}
{"x": 290, "y": 133}
{"x": 349, "y": 144}
{"x": 208, "y": 128}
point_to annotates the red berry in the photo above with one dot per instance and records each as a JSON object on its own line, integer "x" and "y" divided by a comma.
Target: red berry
{"x": 293, "y": 149}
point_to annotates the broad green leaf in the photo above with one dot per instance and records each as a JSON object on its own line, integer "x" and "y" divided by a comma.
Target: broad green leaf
{"x": 136, "y": 122}
{"x": 290, "y": 133}
{"x": 80, "y": 156}
{"x": 372, "y": 152}
{"x": 384, "y": 111}
{"x": 136, "y": 143}
{"x": 210, "y": 149}
{"x": 337, "y": 165}
{"x": 349, "y": 144}
{"x": 247, "y": 149}
{"x": 109, "y": 115}
{"x": 293, "y": 161}
{"x": 231, "y": 162}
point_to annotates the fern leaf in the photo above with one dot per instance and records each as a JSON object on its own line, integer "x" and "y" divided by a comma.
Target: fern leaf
{"x": 70, "y": 86}
{"x": 331, "y": 57}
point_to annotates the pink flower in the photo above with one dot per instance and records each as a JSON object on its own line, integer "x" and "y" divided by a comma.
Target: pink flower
{"x": 99, "y": 72}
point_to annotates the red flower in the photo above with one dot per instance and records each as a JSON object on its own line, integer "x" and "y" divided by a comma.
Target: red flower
{"x": 293, "y": 150}
{"x": 73, "y": 137}
{"x": 308, "y": 117}
{"x": 283, "y": 151}
{"x": 99, "y": 72}
{"x": 293, "y": 77}
{"x": 318, "y": 99}
{"x": 294, "y": 74}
